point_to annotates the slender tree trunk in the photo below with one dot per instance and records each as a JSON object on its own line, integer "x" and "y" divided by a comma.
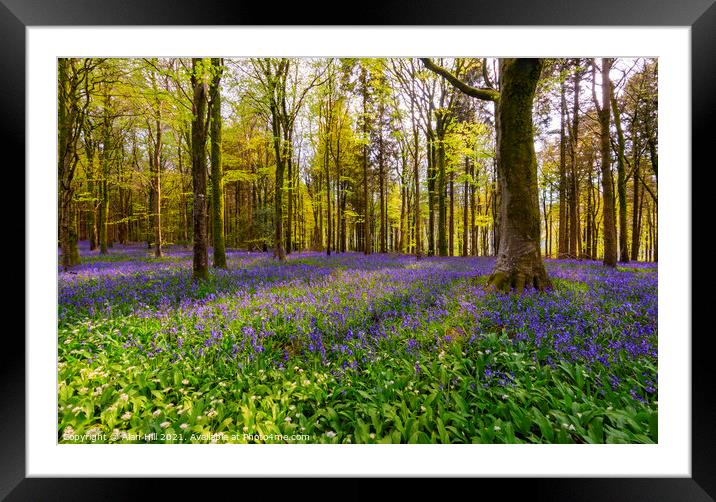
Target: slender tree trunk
{"x": 381, "y": 179}
{"x": 416, "y": 176}
{"x": 563, "y": 244}
{"x": 217, "y": 170}
{"x": 442, "y": 187}
{"x": 574, "y": 244}
{"x": 610, "y": 244}
{"x": 451, "y": 239}
{"x": 157, "y": 184}
{"x": 103, "y": 206}
{"x": 473, "y": 228}
{"x": 403, "y": 204}
{"x": 431, "y": 193}
{"x": 636, "y": 213}
{"x": 328, "y": 197}
{"x": 621, "y": 180}
{"x": 91, "y": 188}
{"x": 466, "y": 197}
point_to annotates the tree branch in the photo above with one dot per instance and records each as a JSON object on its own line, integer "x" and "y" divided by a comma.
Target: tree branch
{"x": 481, "y": 93}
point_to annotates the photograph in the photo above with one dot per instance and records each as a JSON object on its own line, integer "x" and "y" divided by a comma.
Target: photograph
{"x": 357, "y": 250}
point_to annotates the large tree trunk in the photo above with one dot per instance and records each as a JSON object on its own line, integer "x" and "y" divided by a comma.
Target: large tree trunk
{"x": 198, "y": 171}
{"x": 610, "y": 237}
{"x": 217, "y": 170}
{"x": 69, "y": 122}
{"x": 519, "y": 263}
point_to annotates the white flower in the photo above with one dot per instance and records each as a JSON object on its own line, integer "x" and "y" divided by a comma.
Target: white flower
{"x": 246, "y": 429}
{"x": 124, "y": 397}
{"x": 331, "y": 434}
{"x": 497, "y": 428}
{"x": 287, "y": 419}
{"x": 164, "y": 425}
{"x": 185, "y": 381}
{"x": 76, "y": 409}
{"x": 292, "y": 407}
{"x": 156, "y": 413}
{"x": 371, "y": 435}
{"x": 212, "y": 413}
{"x": 423, "y": 408}
{"x": 609, "y": 408}
{"x": 504, "y": 396}
{"x": 183, "y": 426}
{"x": 68, "y": 432}
{"x": 127, "y": 415}
{"x": 306, "y": 382}
{"x": 170, "y": 406}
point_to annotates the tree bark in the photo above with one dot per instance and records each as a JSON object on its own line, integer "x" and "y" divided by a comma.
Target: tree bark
{"x": 574, "y": 235}
{"x": 442, "y": 185}
{"x": 519, "y": 263}
{"x": 217, "y": 169}
{"x": 416, "y": 176}
{"x": 198, "y": 171}
{"x": 466, "y": 199}
{"x": 621, "y": 180}
{"x": 563, "y": 240}
{"x": 610, "y": 244}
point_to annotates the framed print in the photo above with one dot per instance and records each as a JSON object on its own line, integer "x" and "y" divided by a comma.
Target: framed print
{"x": 155, "y": 79}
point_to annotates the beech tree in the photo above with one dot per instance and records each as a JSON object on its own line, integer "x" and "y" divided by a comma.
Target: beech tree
{"x": 519, "y": 262}
{"x": 604, "y": 111}
{"x": 198, "y": 167}
{"x": 73, "y": 98}
{"x": 217, "y": 171}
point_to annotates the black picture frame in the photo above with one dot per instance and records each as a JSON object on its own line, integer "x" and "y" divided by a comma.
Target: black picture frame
{"x": 16, "y": 15}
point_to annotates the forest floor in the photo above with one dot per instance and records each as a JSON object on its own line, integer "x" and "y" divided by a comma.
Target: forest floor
{"x": 352, "y": 349}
